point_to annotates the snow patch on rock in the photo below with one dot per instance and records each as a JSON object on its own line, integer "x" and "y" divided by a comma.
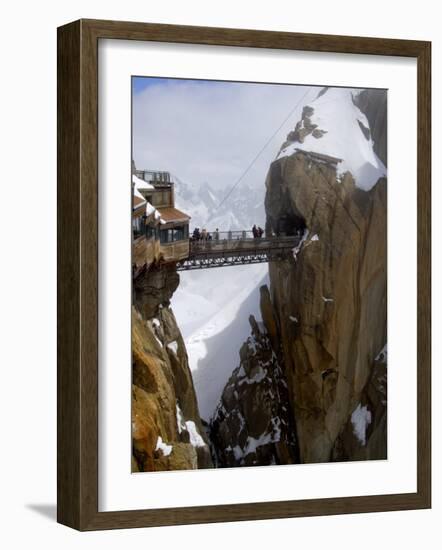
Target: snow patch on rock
{"x": 163, "y": 447}
{"x": 361, "y": 419}
{"x": 181, "y": 425}
{"x": 299, "y": 246}
{"x": 188, "y": 425}
{"x": 173, "y": 346}
{"x": 195, "y": 438}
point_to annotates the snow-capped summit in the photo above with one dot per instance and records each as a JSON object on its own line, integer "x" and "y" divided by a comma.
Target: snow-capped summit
{"x": 333, "y": 125}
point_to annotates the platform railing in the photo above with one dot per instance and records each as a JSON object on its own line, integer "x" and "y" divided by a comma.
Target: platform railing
{"x": 233, "y": 236}
{"x": 237, "y": 239}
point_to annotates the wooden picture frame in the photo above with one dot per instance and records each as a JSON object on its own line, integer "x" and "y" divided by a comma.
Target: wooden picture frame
{"x": 78, "y": 274}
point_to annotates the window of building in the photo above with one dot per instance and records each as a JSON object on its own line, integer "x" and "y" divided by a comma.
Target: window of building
{"x": 179, "y": 233}
{"x": 137, "y": 226}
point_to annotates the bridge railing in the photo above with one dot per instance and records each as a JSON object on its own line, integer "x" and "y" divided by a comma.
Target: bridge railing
{"x": 228, "y": 236}
{"x": 221, "y": 246}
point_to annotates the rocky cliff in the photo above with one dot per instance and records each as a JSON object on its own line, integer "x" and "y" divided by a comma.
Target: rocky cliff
{"x": 253, "y": 423}
{"x": 167, "y": 430}
{"x": 330, "y": 302}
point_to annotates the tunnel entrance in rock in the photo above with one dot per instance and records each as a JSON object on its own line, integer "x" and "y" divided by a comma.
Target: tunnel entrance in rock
{"x": 290, "y": 224}
{"x": 283, "y": 219}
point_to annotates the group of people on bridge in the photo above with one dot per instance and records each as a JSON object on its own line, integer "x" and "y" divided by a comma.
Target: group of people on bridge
{"x": 204, "y": 235}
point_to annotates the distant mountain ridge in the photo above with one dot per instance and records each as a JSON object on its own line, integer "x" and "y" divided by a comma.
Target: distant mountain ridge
{"x": 209, "y": 207}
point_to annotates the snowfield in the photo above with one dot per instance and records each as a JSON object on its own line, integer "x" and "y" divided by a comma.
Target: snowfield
{"x": 215, "y": 325}
{"x": 335, "y": 113}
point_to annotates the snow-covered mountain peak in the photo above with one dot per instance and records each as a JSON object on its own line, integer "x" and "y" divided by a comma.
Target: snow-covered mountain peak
{"x": 333, "y": 125}
{"x": 222, "y": 208}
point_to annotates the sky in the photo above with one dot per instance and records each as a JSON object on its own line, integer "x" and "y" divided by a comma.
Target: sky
{"x": 209, "y": 131}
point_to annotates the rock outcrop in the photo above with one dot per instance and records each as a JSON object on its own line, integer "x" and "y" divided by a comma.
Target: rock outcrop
{"x": 167, "y": 430}
{"x": 305, "y": 127}
{"x": 330, "y": 301}
{"x": 154, "y": 287}
{"x": 373, "y": 103}
{"x": 253, "y": 423}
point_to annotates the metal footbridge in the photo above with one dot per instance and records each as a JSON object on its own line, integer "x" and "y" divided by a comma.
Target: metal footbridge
{"x": 223, "y": 249}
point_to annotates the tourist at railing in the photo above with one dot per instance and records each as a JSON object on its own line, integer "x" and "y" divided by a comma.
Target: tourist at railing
{"x": 258, "y": 232}
{"x": 202, "y": 236}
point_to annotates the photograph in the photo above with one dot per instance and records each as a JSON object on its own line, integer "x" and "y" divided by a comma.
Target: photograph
{"x": 259, "y": 274}
{"x": 221, "y": 332}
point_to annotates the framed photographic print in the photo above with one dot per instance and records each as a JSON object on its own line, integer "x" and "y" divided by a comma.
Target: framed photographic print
{"x": 243, "y": 233}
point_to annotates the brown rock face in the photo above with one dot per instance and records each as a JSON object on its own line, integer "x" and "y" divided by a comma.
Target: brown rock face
{"x": 269, "y": 317}
{"x": 154, "y": 288}
{"x": 330, "y": 302}
{"x": 373, "y": 103}
{"x": 166, "y": 427}
{"x": 252, "y": 425}
{"x": 361, "y": 440}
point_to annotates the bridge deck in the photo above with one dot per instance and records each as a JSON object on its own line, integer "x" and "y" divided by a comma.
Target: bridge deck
{"x": 229, "y": 252}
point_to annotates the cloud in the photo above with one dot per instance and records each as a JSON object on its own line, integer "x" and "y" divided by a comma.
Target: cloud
{"x": 205, "y": 131}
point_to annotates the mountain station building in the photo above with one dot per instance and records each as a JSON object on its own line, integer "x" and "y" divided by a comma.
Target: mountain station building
{"x": 158, "y": 227}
